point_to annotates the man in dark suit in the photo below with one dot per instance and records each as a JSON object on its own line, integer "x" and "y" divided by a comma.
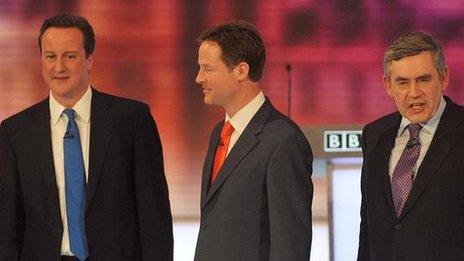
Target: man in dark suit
{"x": 82, "y": 174}
{"x": 413, "y": 171}
{"x": 256, "y": 188}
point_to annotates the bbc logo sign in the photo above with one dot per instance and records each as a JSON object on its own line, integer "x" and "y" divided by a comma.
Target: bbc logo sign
{"x": 342, "y": 141}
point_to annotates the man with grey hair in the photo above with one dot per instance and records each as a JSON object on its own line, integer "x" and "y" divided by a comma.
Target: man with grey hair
{"x": 413, "y": 173}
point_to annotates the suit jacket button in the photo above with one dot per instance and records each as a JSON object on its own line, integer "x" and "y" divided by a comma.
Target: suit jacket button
{"x": 398, "y": 226}
{"x": 203, "y": 226}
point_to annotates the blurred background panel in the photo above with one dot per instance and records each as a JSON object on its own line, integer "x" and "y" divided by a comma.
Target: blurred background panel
{"x": 147, "y": 50}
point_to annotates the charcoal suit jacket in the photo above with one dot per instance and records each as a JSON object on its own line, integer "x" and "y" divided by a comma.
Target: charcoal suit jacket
{"x": 259, "y": 206}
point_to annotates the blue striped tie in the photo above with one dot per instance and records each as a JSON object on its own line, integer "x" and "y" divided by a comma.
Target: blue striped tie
{"x": 75, "y": 187}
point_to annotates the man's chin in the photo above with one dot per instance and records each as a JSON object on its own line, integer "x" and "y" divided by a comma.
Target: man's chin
{"x": 62, "y": 92}
{"x": 418, "y": 118}
{"x": 208, "y": 100}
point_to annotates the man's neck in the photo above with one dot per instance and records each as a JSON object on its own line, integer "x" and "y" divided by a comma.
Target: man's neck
{"x": 244, "y": 97}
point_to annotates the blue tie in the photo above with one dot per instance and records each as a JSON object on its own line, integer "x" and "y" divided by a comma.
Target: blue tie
{"x": 75, "y": 188}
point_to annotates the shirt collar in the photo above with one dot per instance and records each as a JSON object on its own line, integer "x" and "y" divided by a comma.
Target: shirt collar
{"x": 82, "y": 108}
{"x": 241, "y": 119}
{"x": 431, "y": 125}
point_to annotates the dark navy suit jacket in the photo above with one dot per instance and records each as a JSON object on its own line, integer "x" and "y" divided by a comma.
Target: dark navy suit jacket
{"x": 431, "y": 226}
{"x": 128, "y": 215}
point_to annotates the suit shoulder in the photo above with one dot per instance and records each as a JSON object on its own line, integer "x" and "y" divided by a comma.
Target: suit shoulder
{"x": 25, "y": 114}
{"x": 380, "y": 124}
{"x": 282, "y": 123}
{"x": 121, "y": 108}
{"x": 453, "y": 108}
{"x": 123, "y": 104}
{"x": 374, "y": 130}
{"x": 283, "y": 132}
{"x": 281, "y": 128}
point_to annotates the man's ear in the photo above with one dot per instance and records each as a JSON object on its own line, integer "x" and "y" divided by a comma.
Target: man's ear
{"x": 242, "y": 70}
{"x": 89, "y": 61}
{"x": 387, "y": 85}
{"x": 445, "y": 78}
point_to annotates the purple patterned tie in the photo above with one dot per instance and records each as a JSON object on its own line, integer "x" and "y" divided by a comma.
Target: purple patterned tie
{"x": 401, "y": 182}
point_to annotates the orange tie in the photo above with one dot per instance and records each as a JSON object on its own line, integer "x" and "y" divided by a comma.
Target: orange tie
{"x": 221, "y": 150}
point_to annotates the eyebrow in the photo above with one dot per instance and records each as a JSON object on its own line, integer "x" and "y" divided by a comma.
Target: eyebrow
{"x": 400, "y": 79}
{"x": 67, "y": 52}
{"x": 205, "y": 64}
{"x": 424, "y": 77}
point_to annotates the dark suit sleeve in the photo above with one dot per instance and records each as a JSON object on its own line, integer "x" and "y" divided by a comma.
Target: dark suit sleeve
{"x": 153, "y": 206}
{"x": 11, "y": 206}
{"x": 289, "y": 192}
{"x": 363, "y": 248}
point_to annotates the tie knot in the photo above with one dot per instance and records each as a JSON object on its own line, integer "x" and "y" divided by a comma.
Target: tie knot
{"x": 414, "y": 129}
{"x": 70, "y": 113}
{"x": 227, "y": 130}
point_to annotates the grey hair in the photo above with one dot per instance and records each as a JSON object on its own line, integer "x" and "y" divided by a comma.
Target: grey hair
{"x": 413, "y": 43}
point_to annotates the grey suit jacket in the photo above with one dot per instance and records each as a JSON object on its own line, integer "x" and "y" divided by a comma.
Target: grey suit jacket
{"x": 127, "y": 213}
{"x": 259, "y": 207}
{"x": 431, "y": 226}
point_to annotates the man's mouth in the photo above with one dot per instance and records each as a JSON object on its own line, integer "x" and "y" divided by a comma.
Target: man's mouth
{"x": 61, "y": 78}
{"x": 417, "y": 106}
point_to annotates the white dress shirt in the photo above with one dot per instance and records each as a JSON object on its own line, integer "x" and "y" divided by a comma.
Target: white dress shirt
{"x": 425, "y": 138}
{"x": 58, "y": 123}
{"x": 241, "y": 119}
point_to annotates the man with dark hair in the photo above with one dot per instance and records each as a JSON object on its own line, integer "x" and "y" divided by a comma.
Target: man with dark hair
{"x": 81, "y": 172}
{"x": 239, "y": 42}
{"x": 413, "y": 174}
{"x": 256, "y": 188}
{"x": 67, "y": 21}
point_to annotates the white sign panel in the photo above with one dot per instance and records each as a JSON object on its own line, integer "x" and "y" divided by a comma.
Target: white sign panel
{"x": 342, "y": 140}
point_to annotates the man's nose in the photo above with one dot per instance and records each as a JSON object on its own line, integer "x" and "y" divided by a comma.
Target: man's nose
{"x": 200, "y": 77}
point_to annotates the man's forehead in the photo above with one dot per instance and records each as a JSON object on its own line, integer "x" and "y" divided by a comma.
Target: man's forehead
{"x": 413, "y": 63}
{"x": 61, "y": 34}
{"x": 209, "y": 53}
{"x": 63, "y": 30}
{"x": 67, "y": 39}
{"x": 209, "y": 43}
{"x": 210, "y": 48}
{"x": 422, "y": 56}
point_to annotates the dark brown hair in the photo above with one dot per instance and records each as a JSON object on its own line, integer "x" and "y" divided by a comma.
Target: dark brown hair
{"x": 68, "y": 20}
{"x": 240, "y": 42}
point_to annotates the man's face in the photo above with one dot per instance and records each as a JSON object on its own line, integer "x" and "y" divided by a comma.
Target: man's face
{"x": 65, "y": 67}
{"x": 416, "y": 86}
{"x": 218, "y": 81}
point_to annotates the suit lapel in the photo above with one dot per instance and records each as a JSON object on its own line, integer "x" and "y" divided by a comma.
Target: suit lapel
{"x": 209, "y": 160}
{"x": 381, "y": 160}
{"x": 40, "y": 140}
{"x": 101, "y": 121}
{"x": 450, "y": 128}
{"x": 242, "y": 147}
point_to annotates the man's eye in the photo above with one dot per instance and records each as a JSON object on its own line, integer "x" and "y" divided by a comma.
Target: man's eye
{"x": 71, "y": 56}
